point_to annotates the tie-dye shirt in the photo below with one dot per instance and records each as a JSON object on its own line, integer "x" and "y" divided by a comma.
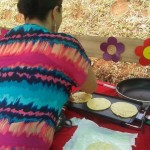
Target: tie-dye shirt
{"x": 37, "y": 71}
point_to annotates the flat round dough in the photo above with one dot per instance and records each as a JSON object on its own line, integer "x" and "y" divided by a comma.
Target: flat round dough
{"x": 124, "y": 109}
{"x": 101, "y": 146}
{"x": 98, "y": 103}
{"x": 81, "y": 97}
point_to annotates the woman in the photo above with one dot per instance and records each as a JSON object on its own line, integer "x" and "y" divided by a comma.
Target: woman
{"x": 38, "y": 67}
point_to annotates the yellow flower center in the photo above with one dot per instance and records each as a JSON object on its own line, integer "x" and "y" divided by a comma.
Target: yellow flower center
{"x": 146, "y": 52}
{"x": 111, "y": 49}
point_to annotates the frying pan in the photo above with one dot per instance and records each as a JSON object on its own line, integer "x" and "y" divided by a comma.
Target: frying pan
{"x": 137, "y": 89}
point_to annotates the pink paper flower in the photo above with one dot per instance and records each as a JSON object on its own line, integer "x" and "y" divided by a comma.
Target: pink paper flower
{"x": 112, "y": 49}
{"x": 144, "y": 53}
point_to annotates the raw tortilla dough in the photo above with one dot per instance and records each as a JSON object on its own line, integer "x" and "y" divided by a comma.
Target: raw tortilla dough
{"x": 124, "y": 109}
{"x": 81, "y": 97}
{"x": 101, "y": 146}
{"x": 98, "y": 104}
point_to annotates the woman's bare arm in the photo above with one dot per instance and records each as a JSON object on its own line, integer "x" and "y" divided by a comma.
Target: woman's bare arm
{"x": 90, "y": 84}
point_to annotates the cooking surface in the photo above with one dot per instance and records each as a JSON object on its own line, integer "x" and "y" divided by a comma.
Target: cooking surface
{"x": 107, "y": 113}
{"x": 136, "y": 88}
{"x": 139, "y": 93}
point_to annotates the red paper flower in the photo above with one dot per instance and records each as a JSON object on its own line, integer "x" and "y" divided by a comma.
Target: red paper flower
{"x": 144, "y": 53}
{"x": 112, "y": 49}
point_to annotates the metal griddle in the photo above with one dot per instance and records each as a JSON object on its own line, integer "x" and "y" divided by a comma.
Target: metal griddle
{"x": 108, "y": 113}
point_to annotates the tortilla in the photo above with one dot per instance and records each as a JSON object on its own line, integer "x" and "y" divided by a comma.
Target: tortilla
{"x": 124, "y": 109}
{"x": 81, "y": 97}
{"x": 98, "y": 104}
{"x": 101, "y": 146}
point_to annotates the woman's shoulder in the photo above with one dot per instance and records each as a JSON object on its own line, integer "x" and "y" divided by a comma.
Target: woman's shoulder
{"x": 66, "y": 36}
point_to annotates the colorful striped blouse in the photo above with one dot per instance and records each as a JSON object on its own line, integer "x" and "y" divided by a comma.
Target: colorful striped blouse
{"x": 37, "y": 71}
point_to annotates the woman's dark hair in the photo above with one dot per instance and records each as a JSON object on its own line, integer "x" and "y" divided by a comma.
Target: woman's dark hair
{"x": 37, "y": 8}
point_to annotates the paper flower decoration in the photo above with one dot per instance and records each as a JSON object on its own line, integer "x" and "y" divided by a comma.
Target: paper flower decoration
{"x": 112, "y": 49}
{"x": 3, "y": 32}
{"x": 144, "y": 53}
